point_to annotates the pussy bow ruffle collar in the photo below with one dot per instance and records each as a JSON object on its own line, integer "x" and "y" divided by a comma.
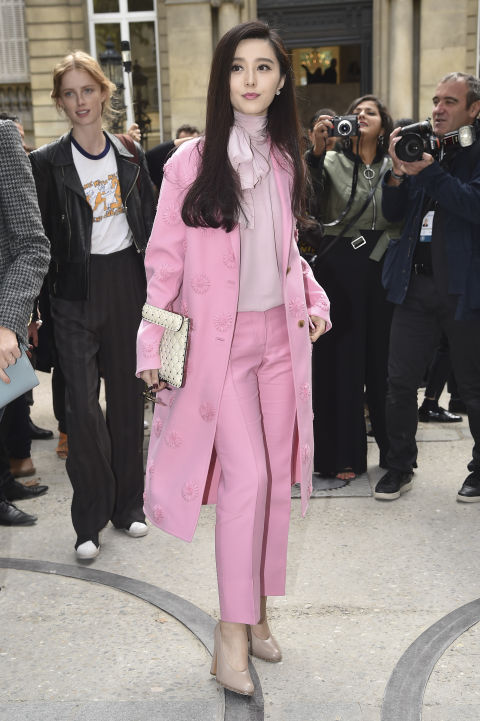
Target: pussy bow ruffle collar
{"x": 248, "y": 152}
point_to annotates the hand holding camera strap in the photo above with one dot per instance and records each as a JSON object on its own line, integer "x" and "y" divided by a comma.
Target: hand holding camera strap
{"x": 357, "y": 215}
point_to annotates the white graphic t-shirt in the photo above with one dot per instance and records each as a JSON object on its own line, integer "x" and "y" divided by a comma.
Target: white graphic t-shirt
{"x": 99, "y": 177}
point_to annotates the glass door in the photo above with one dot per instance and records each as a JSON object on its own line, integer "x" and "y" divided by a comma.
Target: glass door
{"x": 138, "y": 98}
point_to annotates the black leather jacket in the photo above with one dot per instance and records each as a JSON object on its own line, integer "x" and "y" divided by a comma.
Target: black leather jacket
{"x": 67, "y": 216}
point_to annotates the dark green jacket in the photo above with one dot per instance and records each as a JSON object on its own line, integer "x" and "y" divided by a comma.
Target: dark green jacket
{"x": 332, "y": 176}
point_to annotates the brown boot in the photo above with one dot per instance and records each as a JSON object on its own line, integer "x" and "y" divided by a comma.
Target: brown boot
{"x": 62, "y": 448}
{"x": 22, "y": 467}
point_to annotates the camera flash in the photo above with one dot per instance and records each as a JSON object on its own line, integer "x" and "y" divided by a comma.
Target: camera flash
{"x": 466, "y": 136}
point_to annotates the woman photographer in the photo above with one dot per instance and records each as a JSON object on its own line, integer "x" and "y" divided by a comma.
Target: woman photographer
{"x": 353, "y": 357}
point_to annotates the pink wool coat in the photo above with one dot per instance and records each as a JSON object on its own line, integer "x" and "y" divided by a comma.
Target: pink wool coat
{"x": 196, "y": 271}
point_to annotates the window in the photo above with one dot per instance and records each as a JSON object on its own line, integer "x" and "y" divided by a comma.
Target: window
{"x": 114, "y": 21}
{"x": 13, "y": 43}
{"x": 332, "y": 64}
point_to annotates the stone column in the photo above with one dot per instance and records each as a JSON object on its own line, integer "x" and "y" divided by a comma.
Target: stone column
{"x": 401, "y": 59}
{"x": 248, "y": 10}
{"x": 189, "y": 33}
{"x": 443, "y": 41}
{"x": 232, "y": 12}
{"x": 380, "y": 49}
{"x": 473, "y": 7}
{"x": 229, "y": 14}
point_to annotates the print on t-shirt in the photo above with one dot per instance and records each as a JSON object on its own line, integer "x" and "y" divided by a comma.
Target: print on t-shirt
{"x": 104, "y": 197}
{"x": 101, "y": 185}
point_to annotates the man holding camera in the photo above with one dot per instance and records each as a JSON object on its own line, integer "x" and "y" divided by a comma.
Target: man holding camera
{"x": 432, "y": 273}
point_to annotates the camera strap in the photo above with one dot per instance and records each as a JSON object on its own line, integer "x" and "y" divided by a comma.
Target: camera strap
{"x": 474, "y": 157}
{"x": 349, "y": 204}
{"x": 351, "y": 223}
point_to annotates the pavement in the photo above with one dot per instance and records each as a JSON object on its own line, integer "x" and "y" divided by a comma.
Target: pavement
{"x": 380, "y": 620}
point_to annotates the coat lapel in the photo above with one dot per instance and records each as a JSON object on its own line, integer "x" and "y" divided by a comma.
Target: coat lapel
{"x": 234, "y": 237}
{"x": 282, "y": 180}
{"x": 63, "y": 158}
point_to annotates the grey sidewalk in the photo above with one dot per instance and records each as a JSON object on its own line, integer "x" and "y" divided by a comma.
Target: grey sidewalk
{"x": 365, "y": 580}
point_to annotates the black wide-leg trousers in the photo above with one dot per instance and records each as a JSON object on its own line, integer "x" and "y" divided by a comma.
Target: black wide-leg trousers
{"x": 349, "y": 363}
{"x": 416, "y": 330}
{"x": 97, "y": 337}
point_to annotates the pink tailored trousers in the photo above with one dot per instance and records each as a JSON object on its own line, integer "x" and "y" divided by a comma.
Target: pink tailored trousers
{"x": 254, "y": 446}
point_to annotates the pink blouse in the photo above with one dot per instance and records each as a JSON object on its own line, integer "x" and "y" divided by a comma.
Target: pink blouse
{"x": 261, "y": 215}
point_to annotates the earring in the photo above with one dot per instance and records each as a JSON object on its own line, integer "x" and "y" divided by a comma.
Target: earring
{"x": 381, "y": 142}
{"x": 278, "y": 92}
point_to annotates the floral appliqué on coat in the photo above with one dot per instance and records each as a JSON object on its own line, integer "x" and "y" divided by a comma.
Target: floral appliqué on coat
{"x": 174, "y": 439}
{"x": 200, "y": 284}
{"x": 208, "y": 412}
{"x": 190, "y": 490}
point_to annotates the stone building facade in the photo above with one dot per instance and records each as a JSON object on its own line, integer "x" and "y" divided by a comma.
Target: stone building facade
{"x": 416, "y": 42}
{"x": 395, "y": 48}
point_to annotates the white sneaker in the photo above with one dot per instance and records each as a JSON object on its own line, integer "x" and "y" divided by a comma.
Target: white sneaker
{"x": 87, "y": 550}
{"x": 137, "y": 529}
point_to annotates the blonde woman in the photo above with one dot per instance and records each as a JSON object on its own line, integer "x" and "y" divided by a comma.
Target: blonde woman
{"x": 97, "y": 206}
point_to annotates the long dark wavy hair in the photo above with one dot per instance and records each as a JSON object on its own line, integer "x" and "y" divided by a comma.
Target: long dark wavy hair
{"x": 213, "y": 200}
{"x": 387, "y": 121}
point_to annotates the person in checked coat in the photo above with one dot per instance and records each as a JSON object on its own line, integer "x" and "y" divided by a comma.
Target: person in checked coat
{"x": 24, "y": 258}
{"x": 223, "y": 252}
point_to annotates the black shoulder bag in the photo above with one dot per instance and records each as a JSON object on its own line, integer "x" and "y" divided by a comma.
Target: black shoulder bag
{"x": 323, "y": 249}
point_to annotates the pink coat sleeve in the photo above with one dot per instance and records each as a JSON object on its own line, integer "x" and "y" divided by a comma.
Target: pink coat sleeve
{"x": 317, "y": 300}
{"x": 315, "y": 297}
{"x": 165, "y": 254}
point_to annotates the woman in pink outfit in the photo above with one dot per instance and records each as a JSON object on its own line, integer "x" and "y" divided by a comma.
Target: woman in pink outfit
{"x": 223, "y": 251}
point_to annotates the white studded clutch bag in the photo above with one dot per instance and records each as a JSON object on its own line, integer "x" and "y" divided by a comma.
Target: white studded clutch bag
{"x": 174, "y": 343}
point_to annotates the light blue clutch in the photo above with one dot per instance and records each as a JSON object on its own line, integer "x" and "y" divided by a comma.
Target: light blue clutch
{"x": 22, "y": 379}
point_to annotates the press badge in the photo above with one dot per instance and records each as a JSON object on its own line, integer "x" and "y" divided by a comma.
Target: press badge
{"x": 427, "y": 226}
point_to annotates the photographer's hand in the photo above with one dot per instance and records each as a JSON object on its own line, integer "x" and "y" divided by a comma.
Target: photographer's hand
{"x": 417, "y": 166}
{"x": 396, "y": 162}
{"x": 401, "y": 168}
{"x": 134, "y": 132}
{"x": 320, "y": 133}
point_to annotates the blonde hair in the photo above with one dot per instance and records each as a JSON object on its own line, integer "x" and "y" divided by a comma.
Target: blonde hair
{"x": 79, "y": 60}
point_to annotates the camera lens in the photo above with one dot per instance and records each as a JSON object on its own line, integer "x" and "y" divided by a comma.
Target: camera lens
{"x": 410, "y": 147}
{"x": 344, "y": 127}
{"x": 413, "y": 148}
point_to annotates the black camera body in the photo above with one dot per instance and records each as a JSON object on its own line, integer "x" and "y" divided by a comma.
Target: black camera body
{"x": 415, "y": 140}
{"x": 344, "y": 126}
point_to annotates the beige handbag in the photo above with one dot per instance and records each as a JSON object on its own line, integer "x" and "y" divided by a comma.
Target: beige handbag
{"x": 174, "y": 343}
